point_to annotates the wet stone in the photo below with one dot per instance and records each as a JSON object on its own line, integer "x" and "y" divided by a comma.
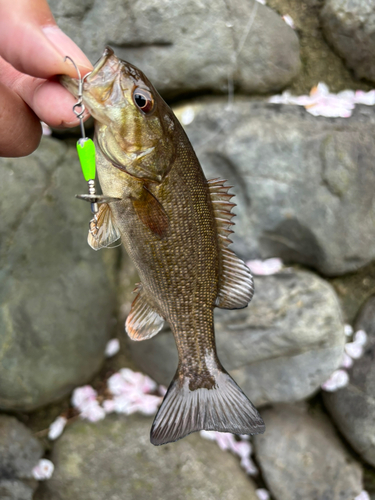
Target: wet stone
{"x": 302, "y": 458}
{"x": 353, "y": 407}
{"x": 56, "y": 293}
{"x": 114, "y": 459}
{"x": 349, "y": 28}
{"x": 181, "y": 54}
{"x": 303, "y": 184}
{"x": 19, "y": 453}
{"x": 279, "y": 349}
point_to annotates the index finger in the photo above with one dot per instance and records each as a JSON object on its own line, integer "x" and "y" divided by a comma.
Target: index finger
{"x": 33, "y": 44}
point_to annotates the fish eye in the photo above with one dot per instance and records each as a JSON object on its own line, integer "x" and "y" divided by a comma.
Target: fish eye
{"x": 143, "y": 100}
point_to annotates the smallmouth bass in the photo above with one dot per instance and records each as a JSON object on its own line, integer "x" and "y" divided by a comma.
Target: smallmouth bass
{"x": 175, "y": 226}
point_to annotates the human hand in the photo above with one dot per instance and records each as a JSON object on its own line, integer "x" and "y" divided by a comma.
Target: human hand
{"x": 32, "y": 51}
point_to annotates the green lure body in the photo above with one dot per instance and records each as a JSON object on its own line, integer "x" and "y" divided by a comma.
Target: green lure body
{"x": 86, "y": 154}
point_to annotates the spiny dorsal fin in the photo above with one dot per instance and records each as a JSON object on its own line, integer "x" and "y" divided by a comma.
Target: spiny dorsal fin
{"x": 236, "y": 286}
{"x": 105, "y": 232}
{"x": 151, "y": 213}
{"x": 143, "y": 321}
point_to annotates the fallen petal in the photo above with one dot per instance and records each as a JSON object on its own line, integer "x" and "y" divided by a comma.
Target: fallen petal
{"x": 348, "y": 330}
{"x": 265, "y": 267}
{"x": 262, "y": 494}
{"x": 249, "y": 466}
{"x": 43, "y": 470}
{"x": 112, "y": 348}
{"x": 56, "y": 428}
{"x": 360, "y": 337}
{"x": 354, "y": 350}
{"x": 337, "y": 380}
{"x": 347, "y": 361}
{"x": 82, "y": 395}
{"x": 363, "y": 496}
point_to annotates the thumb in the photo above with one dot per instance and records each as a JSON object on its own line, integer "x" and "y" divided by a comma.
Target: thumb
{"x": 33, "y": 44}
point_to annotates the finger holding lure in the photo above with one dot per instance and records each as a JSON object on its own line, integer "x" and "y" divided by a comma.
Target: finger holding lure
{"x": 175, "y": 226}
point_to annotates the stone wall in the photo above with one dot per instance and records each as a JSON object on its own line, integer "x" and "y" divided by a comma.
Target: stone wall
{"x": 304, "y": 190}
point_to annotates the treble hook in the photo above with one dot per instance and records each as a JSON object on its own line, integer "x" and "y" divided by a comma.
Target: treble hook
{"x": 79, "y": 103}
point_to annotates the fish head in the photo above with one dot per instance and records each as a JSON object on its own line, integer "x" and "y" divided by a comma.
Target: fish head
{"x": 134, "y": 127}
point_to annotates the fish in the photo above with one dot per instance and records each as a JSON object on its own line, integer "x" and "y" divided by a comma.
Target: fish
{"x": 175, "y": 226}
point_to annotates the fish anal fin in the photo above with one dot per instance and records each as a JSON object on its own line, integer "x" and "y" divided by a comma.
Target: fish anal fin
{"x": 104, "y": 232}
{"x": 151, "y": 212}
{"x": 143, "y": 321}
{"x": 236, "y": 286}
{"x": 223, "y": 408}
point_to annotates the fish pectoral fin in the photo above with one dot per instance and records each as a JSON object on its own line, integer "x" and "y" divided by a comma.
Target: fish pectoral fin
{"x": 223, "y": 408}
{"x": 105, "y": 232}
{"x": 236, "y": 286}
{"x": 151, "y": 213}
{"x": 143, "y": 321}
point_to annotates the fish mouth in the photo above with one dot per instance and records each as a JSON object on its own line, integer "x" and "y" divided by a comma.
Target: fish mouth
{"x": 107, "y": 53}
{"x": 72, "y": 84}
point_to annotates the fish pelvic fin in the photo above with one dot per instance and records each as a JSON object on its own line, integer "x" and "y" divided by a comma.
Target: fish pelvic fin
{"x": 143, "y": 321}
{"x": 223, "y": 408}
{"x": 104, "y": 233}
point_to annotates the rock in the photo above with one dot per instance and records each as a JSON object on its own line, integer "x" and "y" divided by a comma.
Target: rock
{"x": 349, "y": 28}
{"x": 279, "y": 349}
{"x": 19, "y": 453}
{"x": 55, "y": 292}
{"x": 303, "y": 184}
{"x": 189, "y": 46}
{"x": 353, "y": 407}
{"x": 302, "y": 458}
{"x": 114, "y": 459}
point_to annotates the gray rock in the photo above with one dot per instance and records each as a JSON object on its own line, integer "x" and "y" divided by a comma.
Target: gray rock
{"x": 349, "y": 26}
{"x": 303, "y": 184}
{"x": 353, "y": 407}
{"x": 189, "y": 46}
{"x": 302, "y": 458}
{"x": 19, "y": 453}
{"x": 55, "y": 292}
{"x": 115, "y": 460}
{"x": 279, "y": 349}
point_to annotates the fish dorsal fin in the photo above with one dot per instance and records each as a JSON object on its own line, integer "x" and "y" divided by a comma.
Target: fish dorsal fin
{"x": 105, "y": 232}
{"x": 236, "y": 287}
{"x": 143, "y": 321}
{"x": 151, "y": 213}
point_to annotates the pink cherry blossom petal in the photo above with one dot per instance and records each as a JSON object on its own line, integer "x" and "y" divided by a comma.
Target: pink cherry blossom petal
{"x": 112, "y": 348}
{"x": 43, "y": 470}
{"x": 347, "y": 361}
{"x": 367, "y": 98}
{"x": 262, "y": 494}
{"x": 210, "y": 435}
{"x": 82, "y": 395}
{"x": 363, "y": 496}
{"x": 348, "y": 330}
{"x": 360, "y": 337}
{"x": 162, "y": 390}
{"x": 265, "y": 267}
{"x": 289, "y": 21}
{"x": 56, "y": 428}
{"x": 354, "y": 350}
{"x": 242, "y": 448}
{"x": 337, "y": 380}
{"x": 92, "y": 411}
{"x": 249, "y": 466}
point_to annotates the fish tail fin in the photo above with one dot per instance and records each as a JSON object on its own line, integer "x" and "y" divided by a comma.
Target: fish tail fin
{"x": 189, "y": 406}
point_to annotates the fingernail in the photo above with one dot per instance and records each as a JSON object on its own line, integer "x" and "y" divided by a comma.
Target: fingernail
{"x": 66, "y": 47}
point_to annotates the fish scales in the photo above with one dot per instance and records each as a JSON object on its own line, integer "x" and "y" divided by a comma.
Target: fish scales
{"x": 175, "y": 226}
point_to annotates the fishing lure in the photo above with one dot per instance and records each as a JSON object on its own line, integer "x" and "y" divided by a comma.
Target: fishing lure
{"x": 86, "y": 155}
